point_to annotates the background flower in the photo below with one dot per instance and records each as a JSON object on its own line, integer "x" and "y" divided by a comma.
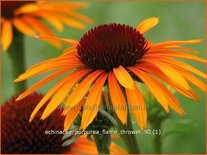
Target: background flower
{"x": 25, "y": 17}
{"x": 20, "y": 136}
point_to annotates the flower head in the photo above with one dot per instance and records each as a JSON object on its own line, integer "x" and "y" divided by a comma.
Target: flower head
{"x": 19, "y": 136}
{"x": 112, "y": 58}
{"x": 25, "y": 16}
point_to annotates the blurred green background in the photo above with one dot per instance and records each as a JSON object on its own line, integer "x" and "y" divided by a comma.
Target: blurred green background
{"x": 178, "y": 21}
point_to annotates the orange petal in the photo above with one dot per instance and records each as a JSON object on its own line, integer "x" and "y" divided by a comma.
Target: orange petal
{"x": 74, "y": 77}
{"x": 169, "y": 53}
{"x": 171, "y": 73}
{"x": 70, "y": 50}
{"x": 117, "y": 98}
{"x": 40, "y": 84}
{"x": 177, "y": 42}
{"x": 163, "y": 95}
{"x": 66, "y": 20}
{"x": 82, "y": 146}
{"x": 123, "y": 77}
{"x": 23, "y": 27}
{"x": 173, "y": 102}
{"x": 71, "y": 22}
{"x": 179, "y": 64}
{"x": 179, "y": 88}
{"x": 76, "y": 15}
{"x": 27, "y": 8}
{"x": 59, "y": 96}
{"x": 153, "y": 86}
{"x": 7, "y": 34}
{"x": 46, "y": 66}
{"x": 82, "y": 89}
{"x": 137, "y": 106}
{"x": 191, "y": 78}
{"x": 56, "y": 5}
{"x": 186, "y": 67}
{"x": 180, "y": 48}
{"x": 147, "y": 24}
{"x": 47, "y": 97}
{"x": 93, "y": 101}
{"x": 53, "y": 21}
{"x": 69, "y": 58}
{"x": 41, "y": 28}
{"x": 71, "y": 115}
{"x": 67, "y": 41}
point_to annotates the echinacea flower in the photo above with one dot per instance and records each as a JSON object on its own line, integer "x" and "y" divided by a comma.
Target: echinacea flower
{"x": 113, "y": 57}
{"x": 25, "y": 17}
{"x": 20, "y": 136}
{"x": 83, "y": 146}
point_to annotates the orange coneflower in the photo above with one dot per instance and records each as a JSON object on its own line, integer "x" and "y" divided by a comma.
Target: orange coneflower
{"x": 83, "y": 146}
{"x": 19, "y": 136}
{"x": 116, "y": 56}
{"x": 25, "y": 17}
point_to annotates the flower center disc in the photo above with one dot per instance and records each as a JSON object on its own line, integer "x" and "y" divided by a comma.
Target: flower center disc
{"x": 109, "y": 46}
{"x": 8, "y": 7}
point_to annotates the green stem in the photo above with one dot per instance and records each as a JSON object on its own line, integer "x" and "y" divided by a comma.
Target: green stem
{"x": 17, "y": 57}
{"x": 130, "y": 140}
{"x": 102, "y": 144}
{"x": 157, "y": 138}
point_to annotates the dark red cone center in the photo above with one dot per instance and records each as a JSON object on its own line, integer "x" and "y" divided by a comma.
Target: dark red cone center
{"x": 109, "y": 46}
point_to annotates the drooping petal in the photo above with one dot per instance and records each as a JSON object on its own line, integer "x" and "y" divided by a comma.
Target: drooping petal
{"x": 124, "y": 77}
{"x": 7, "y": 34}
{"x": 23, "y": 27}
{"x": 53, "y": 21}
{"x": 162, "y": 94}
{"x": 137, "y": 106}
{"x": 171, "y": 73}
{"x": 155, "y": 71}
{"x": 179, "y": 64}
{"x": 41, "y": 28}
{"x": 173, "y": 102}
{"x": 71, "y": 115}
{"x": 59, "y": 96}
{"x": 71, "y": 22}
{"x": 82, "y": 89}
{"x": 153, "y": 86}
{"x": 117, "y": 98}
{"x": 93, "y": 101}
{"x": 191, "y": 78}
{"x": 74, "y": 77}
{"x": 67, "y": 20}
{"x": 76, "y": 15}
{"x": 147, "y": 24}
